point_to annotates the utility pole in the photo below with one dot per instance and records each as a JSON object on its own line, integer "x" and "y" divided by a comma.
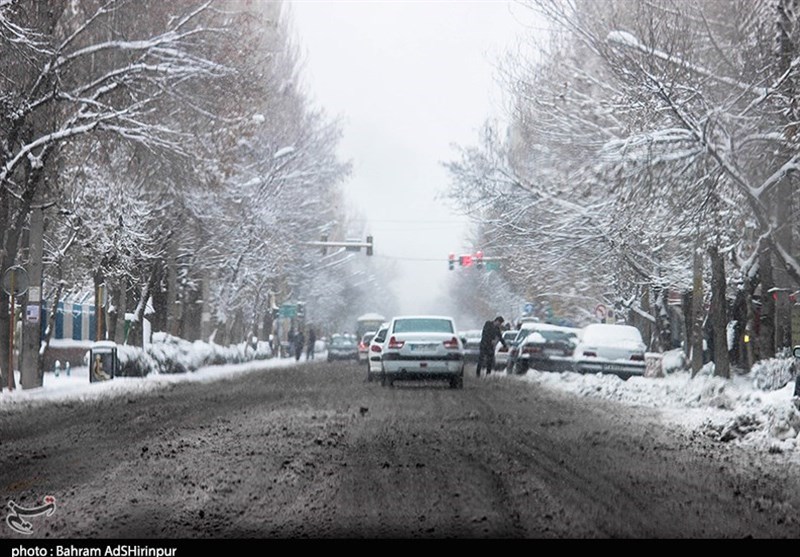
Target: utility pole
{"x": 30, "y": 375}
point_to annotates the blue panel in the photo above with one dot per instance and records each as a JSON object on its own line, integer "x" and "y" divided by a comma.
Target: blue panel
{"x": 43, "y": 321}
{"x": 77, "y": 319}
{"x": 59, "y": 332}
{"x": 92, "y": 333}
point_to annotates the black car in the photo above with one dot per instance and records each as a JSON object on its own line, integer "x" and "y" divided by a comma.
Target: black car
{"x": 342, "y": 347}
{"x": 543, "y": 347}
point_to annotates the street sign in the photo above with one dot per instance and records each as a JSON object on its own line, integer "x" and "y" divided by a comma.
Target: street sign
{"x": 32, "y": 313}
{"x": 600, "y": 311}
{"x": 528, "y": 308}
{"x": 491, "y": 265}
{"x": 15, "y": 281}
{"x": 288, "y": 310}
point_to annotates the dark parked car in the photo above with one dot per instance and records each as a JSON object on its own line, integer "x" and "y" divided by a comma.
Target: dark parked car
{"x": 342, "y": 347}
{"x": 543, "y": 347}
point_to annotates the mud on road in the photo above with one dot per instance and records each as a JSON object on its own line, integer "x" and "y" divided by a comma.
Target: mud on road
{"x": 316, "y": 451}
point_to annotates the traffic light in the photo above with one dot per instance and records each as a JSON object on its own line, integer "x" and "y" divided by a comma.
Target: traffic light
{"x": 451, "y": 261}
{"x": 465, "y": 260}
{"x": 479, "y": 260}
{"x": 301, "y": 309}
{"x": 324, "y": 238}
{"x": 369, "y": 245}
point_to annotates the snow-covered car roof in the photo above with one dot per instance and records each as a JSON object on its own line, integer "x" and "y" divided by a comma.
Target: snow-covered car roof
{"x": 609, "y": 332}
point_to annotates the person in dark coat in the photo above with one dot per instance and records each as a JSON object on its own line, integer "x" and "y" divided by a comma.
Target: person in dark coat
{"x": 312, "y": 339}
{"x": 299, "y": 342}
{"x": 490, "y": 335}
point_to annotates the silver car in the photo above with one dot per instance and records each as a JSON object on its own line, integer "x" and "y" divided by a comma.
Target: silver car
{"x": 501, "y": 351}
{"x": 422, "y": 347}
{"x": 609, "y": 348}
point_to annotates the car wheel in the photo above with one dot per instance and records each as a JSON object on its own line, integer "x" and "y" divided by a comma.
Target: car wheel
{"x": 457, "y": 382}
{"x": 369, "y": 375}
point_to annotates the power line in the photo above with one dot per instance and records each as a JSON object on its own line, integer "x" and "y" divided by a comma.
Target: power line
{"x": 437, "y": 221}
{"x": 442, "y": 259}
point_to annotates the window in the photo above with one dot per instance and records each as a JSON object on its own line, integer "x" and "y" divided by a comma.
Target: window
{"x": 423, "y": 325}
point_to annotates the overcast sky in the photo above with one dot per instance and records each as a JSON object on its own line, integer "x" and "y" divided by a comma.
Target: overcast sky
{"x": 408, "y": 79}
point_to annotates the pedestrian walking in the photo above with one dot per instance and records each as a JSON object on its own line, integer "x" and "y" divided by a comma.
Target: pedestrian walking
{"x": 490, "y": 335}
{"x": 299, "y": 342}
{"x": 290, "y": 340}
{"x": 312, "y": 339}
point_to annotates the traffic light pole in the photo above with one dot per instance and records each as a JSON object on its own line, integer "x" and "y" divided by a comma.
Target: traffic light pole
{"x": 348, "y": 245}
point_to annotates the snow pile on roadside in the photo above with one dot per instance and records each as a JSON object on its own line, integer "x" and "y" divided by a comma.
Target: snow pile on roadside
{"x": 724, "y": 409}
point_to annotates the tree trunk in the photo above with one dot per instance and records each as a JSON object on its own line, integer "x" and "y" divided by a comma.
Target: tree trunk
{"x": 647, "y": 326}
{"x": 172, "y": 297}
{"x": 51, "y": 320}
{"x": 99, "y": 305}
{"x": 718, "y": 313}
{"x": 766, "y": 324}
{"x": 697, "y": 312}
{"x": 116, "y": 324}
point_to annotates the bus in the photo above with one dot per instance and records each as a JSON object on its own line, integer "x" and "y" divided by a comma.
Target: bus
{"x": 368, "y": 322}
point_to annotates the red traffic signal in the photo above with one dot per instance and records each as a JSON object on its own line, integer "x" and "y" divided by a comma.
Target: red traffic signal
{"x": 465, "y": 260}
{"x": 451, "y": 261}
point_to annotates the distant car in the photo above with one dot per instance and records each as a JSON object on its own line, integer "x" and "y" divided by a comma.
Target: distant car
{"x": 374, "y": 367}
{"x": 610, "y": 348}
{"x": 513, "y": 347}
{"x": 422, "y": 347}
{"x": 501, "y": 352}
{"x": 363, "y": 346}
{"x": 546, "y": 348}
{"x": 342, "y": 347}
{"x": 471, "y": 339}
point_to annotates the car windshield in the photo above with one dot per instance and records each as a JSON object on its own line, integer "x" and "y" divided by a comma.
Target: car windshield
{"x": 423, "y": 325}
{"x": 380, "y": 336}
{"x": 342, "y": 342}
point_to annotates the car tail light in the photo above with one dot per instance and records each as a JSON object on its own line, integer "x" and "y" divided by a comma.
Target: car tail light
{"x": 502, "y": 349}
{"x": 375, "y": 348}
{"x": 531, "y": 349}
{"x": 451, "y": 344}
{"x": 362, "y": 346}
{"x": 637, "y": 357}
{"x": 395, "y": 344}
{"x": 590, "y": 353}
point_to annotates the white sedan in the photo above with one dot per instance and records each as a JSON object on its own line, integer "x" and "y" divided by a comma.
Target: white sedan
{"x": 421, "y": 347}
{"x": 374, "y": 367}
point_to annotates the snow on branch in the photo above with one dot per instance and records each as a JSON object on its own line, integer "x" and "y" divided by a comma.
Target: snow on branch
{"x": 626, "y": 40}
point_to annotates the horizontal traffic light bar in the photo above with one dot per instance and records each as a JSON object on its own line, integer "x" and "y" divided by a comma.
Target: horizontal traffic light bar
{"x": 339, "y": 244}
{"x": 349, "y": 245}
